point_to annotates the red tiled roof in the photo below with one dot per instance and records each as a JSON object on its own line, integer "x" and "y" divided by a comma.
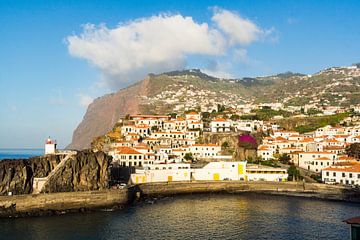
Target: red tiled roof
{"x": 127, "y": 150}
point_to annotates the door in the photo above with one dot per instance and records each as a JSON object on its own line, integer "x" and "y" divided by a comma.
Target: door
{"x": 170, "y": 178}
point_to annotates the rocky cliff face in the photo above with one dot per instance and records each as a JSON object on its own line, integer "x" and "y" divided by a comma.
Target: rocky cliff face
{"x": 17, "y": 176}
{"x": 85, "y": 171}
{"x": 105, "y": 111}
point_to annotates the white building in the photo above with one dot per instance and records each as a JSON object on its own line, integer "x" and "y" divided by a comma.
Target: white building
{"x": 127, "y": 156}
{"x": 50, "y": 146}
{"x": 342, "y": 173}
{"x": 220, "y": 125}
{"x": 215, "y": 171}
{"x": 204, "y": 150}
{"x": 162, "y": 173}
{"x": 263, "y": 173}
{"x": 316, "y": 161}
{"x": 266, "y": 152}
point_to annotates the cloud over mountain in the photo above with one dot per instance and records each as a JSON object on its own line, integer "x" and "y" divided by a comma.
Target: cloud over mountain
{"x": 131, "y": 50}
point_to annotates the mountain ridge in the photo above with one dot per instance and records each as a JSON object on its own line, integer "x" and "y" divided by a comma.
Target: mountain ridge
{"x": 171, "y": 91}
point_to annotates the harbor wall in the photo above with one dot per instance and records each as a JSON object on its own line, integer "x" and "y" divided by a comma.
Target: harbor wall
{"x": 59, "y": 203}
{"x": 313, "y": 190}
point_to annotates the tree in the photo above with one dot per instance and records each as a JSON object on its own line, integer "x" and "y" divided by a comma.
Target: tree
{"x": 154, "y": 128}
{"x": 294, "y": 174}
{"x": 284, "y": 158}
{"x": 188, "y": 157}
{"x": 205, "y": 115}
{"x": 353, "y": 150}
{"x": 220, "y": 108}
{"x": 225, "y": 145}
{"x": 235, "y": 117}
{"x": 173, "y": 115}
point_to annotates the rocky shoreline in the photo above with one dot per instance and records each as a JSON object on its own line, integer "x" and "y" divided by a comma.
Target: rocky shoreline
{"x": 83, "y": 201}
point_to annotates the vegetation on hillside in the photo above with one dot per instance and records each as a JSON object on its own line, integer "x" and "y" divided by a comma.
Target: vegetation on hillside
{"x": 314, "y": 123}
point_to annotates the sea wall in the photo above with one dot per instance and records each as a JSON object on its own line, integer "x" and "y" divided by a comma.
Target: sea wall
{"x": 58, "y": 203}
{"x": 300, "y": 189}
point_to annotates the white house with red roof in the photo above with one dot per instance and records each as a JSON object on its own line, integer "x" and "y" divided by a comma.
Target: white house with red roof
{"x": 127, "y": 156}
{"x": 316, "y": 161}
{"x": 266, "y": 152}
{"x": 195, "y": 125}
{"x": 193, "y": 116}
{"x": 220, "y": 125}
{"x": 205, "y": 150}
{"x": 342, "y": 173}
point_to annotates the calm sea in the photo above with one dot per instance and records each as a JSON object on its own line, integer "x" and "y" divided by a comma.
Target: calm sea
{"x": 216, "y": 216}
{"x": 7, "y": 153}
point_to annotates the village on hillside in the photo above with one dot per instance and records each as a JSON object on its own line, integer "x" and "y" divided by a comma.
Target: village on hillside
{"x": 223, "y": 145}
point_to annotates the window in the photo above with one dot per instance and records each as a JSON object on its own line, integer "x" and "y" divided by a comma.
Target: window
{"x": 327, "y": 173}
{"x": 343, "y": 174}
{"x": 350, "y": 175}
{"x": 334, "y": 174}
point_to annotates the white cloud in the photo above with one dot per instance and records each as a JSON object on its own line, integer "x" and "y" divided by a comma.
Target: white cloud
{"x": 131, "y": 50}
{"x": 84, "y": 100}
{"x": 239, "y": 30}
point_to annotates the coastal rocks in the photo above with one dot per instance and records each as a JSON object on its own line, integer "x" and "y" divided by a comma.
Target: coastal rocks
{"x": 235, "y": 147}
{"x": 15, "y": 177}
{"x": 84, "y": 171}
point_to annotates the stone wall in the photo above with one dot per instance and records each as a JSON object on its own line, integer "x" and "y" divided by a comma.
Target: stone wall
{"x": 57, "y": 203}
{"x": 314, "y": 190}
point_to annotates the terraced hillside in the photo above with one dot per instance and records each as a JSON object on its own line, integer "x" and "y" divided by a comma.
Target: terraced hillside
{"x": 192, "y": 89}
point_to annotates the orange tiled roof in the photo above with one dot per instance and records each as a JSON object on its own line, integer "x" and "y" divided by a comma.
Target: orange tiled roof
{"x": 352, "y": 168}
{"x": 323, "y": 159}
{"x": 127, "y": 150}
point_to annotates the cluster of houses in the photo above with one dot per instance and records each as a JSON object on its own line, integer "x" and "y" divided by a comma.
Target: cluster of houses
{"x": 161, "y": 148}
{"x": 322, "y": 151}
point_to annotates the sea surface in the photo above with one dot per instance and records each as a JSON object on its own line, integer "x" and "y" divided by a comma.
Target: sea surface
{"x": 204, "y": 216}
{"x": 9, "y": 153}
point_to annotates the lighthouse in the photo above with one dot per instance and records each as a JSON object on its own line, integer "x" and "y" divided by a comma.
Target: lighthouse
{"x": 50, "y": 146}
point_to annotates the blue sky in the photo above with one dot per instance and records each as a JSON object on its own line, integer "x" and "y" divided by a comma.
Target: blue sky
{"x": 45, "y": 86}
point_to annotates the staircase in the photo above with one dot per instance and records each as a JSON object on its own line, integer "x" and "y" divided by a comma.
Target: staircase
{"x": 39, "y": 183}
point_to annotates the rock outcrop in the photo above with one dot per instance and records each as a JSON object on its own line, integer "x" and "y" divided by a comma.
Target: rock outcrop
{"x": 105, "y": 111}
{"x": 15, "y": 177}
{"x": 84, "y": 171}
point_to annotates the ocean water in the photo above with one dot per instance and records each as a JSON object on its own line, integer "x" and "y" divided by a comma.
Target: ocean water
{"x": 203, "y": 216}
{"x": 6, "y": 153}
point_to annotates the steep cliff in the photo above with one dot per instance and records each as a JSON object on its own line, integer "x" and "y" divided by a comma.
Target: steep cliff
{"x": 85, "y": 171}
{"x": 16, "y": 176}
{"x": 105, "y": 111}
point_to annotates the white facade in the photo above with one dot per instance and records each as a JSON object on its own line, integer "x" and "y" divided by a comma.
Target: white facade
{"x": 316, "y": 161}
{"x": 204, "y": 150}
{"x": 220, "y": 125}
{"x": 262, "y": 173}
{"x": 50, "y": 146}
{"x": 215, "y": 171}
{"x": 162, "y": 173}
{"x": 348, "y": 174}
